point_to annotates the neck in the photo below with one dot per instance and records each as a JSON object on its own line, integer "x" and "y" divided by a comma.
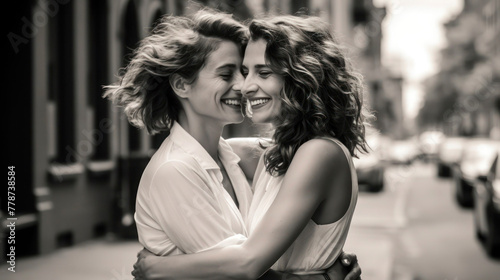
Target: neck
{"x": 207, "y": 133}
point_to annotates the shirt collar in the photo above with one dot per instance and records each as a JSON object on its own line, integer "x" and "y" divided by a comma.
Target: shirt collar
{"x": 191, "y": 146}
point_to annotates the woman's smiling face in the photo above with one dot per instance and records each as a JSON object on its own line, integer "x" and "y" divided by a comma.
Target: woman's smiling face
{"x": 214, "y": 94}
{"x": 262, "y": 86}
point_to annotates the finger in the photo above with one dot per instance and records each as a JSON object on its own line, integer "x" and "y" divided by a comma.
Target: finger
{"x": 349, "y": 258}
{"x": 355, "y": 274}
{"x": 140, "y": 252}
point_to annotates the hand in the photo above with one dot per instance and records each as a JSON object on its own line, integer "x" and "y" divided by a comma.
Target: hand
{"x": 139, "y": 272}
{"x": 345, "y": 268}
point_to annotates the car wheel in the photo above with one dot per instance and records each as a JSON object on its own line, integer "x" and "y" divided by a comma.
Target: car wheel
{"x": 377, "y": 188}
{"x": 463, "y": 199}
{"x": 479, "y": 235}
{"x": 443, "y": 171}
{"x": 492, "y": 247}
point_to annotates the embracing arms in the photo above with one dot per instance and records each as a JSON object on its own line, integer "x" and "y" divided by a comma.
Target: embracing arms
{"x": 309, "y": 180}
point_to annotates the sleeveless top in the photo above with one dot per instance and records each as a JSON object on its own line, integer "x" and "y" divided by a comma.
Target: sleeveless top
{"x": 318, "y": 246}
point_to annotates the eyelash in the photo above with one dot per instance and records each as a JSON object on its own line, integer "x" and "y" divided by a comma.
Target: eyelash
{"x": 265, "y": 74}
{"x": 226, "y": 77}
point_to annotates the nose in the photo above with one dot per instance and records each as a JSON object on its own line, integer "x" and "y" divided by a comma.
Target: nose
{"x": 249, "y": 87}
{"x": 238, "y": 82}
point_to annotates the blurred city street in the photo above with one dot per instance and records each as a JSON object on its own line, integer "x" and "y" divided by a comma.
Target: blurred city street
{"x": 421, "y": 229}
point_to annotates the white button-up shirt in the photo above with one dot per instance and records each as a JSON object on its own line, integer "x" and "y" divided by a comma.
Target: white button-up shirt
{"x": 182, "y": 206}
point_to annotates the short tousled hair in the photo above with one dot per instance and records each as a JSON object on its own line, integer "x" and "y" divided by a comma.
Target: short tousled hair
{"x": 177, "y": 45}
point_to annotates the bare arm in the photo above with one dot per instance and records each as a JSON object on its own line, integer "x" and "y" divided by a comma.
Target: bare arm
{"x": 310, "y": 178}
{"x": 346, "y": 267}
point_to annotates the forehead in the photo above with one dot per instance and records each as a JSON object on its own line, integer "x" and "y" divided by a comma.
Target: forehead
{"x": 226, "y": 53}
{"x": 255, "y": 52}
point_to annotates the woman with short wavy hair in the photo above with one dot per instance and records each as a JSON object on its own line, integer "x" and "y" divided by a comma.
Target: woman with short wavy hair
{"x": 305, "y": 187}
{"x": 181, "y": 80}
{"x": 176, "y": 47}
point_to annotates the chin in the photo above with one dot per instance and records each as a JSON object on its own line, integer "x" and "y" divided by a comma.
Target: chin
{"x": 235, "y": 119}
{"x": 262, "y": 119}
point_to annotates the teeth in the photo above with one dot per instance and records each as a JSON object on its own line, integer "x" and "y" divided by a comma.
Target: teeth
{"x": 259, "y": 101}
{"x": 232, "y": 102}
{"x": 249, "y": 110}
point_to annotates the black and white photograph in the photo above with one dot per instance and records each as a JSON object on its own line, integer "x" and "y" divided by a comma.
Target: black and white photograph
{"x": 252, "y": 139}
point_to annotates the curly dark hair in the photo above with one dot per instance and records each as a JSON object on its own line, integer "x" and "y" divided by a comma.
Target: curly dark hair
{"x": 322, "y": 94}
{"x": 177, "y": 45}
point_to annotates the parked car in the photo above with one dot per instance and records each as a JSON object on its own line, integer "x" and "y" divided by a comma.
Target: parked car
{"x": 449, "y": 154}
{"x": 370, "y": 170}
{"x": 403, "y": 152}
{"x": 487, "y": 209}
{"x": 477, "y": 156}
{"x": 429, "y": 142}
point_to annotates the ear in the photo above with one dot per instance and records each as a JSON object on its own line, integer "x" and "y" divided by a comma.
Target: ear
{"x": 179, "y": 85}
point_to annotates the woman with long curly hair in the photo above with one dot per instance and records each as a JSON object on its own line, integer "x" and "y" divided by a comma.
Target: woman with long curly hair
{"x": 305, "y": 187}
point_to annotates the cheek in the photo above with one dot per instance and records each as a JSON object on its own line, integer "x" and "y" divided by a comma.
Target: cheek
{"x": 275, "y": 88}
{"x": 209, "y": 92}
{"x": 276, "y": 108}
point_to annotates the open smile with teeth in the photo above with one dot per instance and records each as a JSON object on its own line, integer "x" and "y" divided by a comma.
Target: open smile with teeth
{"x": 259, "y": 101}
{"x": 232, "y": 102}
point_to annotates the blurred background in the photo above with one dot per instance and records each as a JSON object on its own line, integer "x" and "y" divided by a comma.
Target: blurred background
{"x": 429, "y": 201}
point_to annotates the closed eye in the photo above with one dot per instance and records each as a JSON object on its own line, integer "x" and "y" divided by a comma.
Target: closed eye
{"x": 244, "y": 72}
{"x": 265, "y": 74}
{"x": 226, "y": 76}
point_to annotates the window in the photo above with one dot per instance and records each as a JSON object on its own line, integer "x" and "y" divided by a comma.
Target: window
{"x": 61, "y": 91}
{"x": 130, "y": 39}
{"x": 98, "y": 76}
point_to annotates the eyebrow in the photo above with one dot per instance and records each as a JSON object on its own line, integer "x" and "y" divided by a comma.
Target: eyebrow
{"x": 229, "y": 65}
{"x": 258, "y": 66}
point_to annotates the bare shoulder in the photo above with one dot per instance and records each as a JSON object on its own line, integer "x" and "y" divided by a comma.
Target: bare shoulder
{"x": 323, "y": 151}
{"x": 320, "y": 166}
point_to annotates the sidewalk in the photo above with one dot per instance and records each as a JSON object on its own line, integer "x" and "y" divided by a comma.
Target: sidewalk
{"x": 113, "y": 260}
{"x": 96, "y": 260}
{"x": 374, "y": 250}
